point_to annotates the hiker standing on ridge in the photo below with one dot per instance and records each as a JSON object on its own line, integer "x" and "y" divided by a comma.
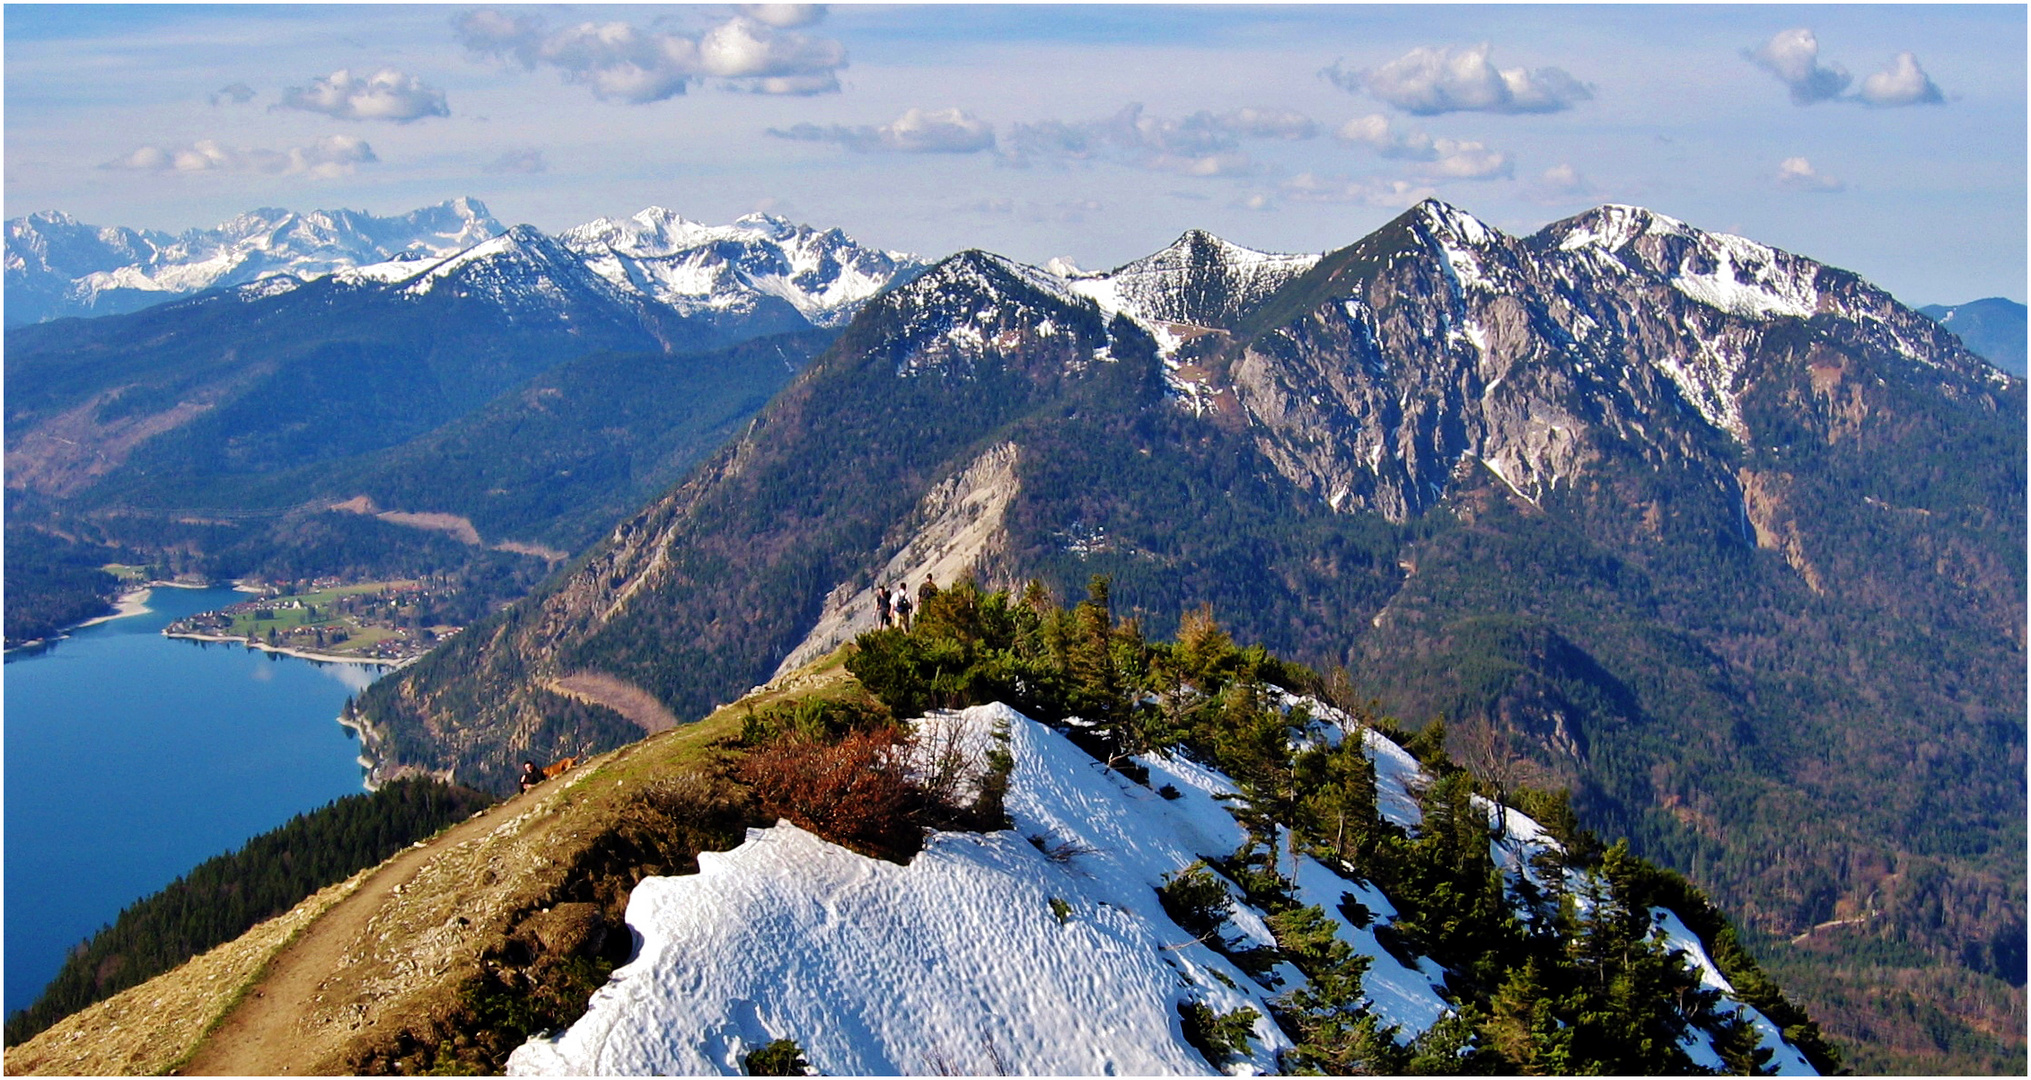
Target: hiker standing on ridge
{"x": 903, "y": 606}
{"x": 881, "y": 604}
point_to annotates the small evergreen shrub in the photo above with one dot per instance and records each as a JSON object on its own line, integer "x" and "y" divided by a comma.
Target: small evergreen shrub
{"x": 1195, "y": 899}
{"x": 1218, "y": 1037}
{"x": 780, "y": 1058}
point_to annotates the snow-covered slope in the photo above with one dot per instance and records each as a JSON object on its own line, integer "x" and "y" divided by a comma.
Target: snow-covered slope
{"x": 758, "y": 268}
{"x": 1199, "y": 281}
{"x": 1042, "y": 949}
{"x": 697, "y": 268}
{"x": 58, "y": 266}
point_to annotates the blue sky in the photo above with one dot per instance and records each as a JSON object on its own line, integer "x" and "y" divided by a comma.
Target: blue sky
{"x": 1889, "y": 140}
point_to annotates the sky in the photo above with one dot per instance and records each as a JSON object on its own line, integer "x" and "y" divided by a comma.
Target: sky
{"x": 1889, "y": 140}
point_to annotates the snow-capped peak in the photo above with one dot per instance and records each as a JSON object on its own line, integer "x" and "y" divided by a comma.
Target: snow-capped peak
{"x": 697, "y": 268}
{"x": 1723, "y": 271}
{"x": 1611, "y": 227}
{"x": 1199, "y": 280}
{"x": 1450, "y": 224}
{"x": 57, "y": 266}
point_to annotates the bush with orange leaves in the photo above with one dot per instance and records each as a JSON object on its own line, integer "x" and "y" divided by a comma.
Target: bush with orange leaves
{"x": 857, "y": 791}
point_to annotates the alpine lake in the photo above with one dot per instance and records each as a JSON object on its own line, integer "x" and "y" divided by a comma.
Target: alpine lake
{"x": 132, "y": 757}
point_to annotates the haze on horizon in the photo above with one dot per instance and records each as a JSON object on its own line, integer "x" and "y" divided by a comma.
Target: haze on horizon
{"x": 1887, "y": 140}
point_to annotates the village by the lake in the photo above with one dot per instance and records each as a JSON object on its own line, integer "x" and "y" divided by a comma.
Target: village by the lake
{"x": 381, "y": 622}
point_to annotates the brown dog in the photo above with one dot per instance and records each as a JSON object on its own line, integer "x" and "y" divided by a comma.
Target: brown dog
{"x": 558, "y": 768}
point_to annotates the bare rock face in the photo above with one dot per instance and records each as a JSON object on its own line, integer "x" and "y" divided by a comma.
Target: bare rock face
{"x": 1618, "y": 333}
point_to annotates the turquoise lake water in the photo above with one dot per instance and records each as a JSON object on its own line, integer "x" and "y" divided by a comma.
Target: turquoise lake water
{"x": 132, "y": 757}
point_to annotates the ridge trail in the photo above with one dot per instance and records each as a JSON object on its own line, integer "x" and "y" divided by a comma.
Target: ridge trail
{"x": 282, "y": 1027}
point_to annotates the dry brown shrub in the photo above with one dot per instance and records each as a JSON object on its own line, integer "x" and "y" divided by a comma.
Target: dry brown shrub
{"x": 856, "y": 792}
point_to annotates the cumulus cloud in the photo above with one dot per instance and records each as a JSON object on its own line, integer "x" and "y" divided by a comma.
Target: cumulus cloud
{"x": 387, "y": 94}
{"x": 917, "y": 131}
{"x": 1798, "y": 174}
{"x": 1364, "y": 191}
{"x": 1441, "y": 158}
{"x": 238, "y": 93}
{"x": 1793, "y": 57}
{"x": 331, "y": 156}
{"x": 1427, "y": 82}
{"x": 752, "y": 52}
{"x": 1902, "y": 83}
{"x": 1386, "y": 138}
{"x": 518, "y": 161}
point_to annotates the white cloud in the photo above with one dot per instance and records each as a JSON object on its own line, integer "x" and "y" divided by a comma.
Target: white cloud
{"x": 917, "y": 131}
{"x": 1798, "y": 174}
{"x": 238, "y": 93}
{"x": 1440, "y": 158}
{"x": 1902, "y": 83}
{"x": 1427, "y": 82}
{"x": 387, "y": 94}
{"x": 1389, "y": 141}
{"x": 1459, "y": 160}
{"x": 783, "y": 16}
{"x": 1793, "y": 56}
{"x": 519, "y": 161}
{"x": 328, "y": 157}
{"x": 742, "y": 49}
{"x": 751, "y": 52}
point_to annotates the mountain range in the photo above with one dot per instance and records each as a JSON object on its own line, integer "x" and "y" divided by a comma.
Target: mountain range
{"x": 1696, "y": 521}
{"x": 1725, "y": 539}
{"x": 245, "y": 411}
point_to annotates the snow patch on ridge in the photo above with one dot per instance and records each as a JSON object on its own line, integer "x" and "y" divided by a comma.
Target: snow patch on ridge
{"x": 957, "y": 963}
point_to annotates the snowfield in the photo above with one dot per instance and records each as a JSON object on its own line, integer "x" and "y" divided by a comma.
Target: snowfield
{"x": 960, "y": 963}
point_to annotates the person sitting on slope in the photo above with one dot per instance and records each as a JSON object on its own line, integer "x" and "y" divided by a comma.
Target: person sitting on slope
{"x": 530, "y": 777}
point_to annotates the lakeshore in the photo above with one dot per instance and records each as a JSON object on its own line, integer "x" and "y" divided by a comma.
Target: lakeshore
{"x": 131, "y": 602}
{"x": 110, "y": 733}
{"x": 300, "y": 654}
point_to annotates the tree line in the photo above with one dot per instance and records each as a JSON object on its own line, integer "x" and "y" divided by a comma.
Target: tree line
{"x": 225, "y": 896}
{"x": 1554, "y": 972}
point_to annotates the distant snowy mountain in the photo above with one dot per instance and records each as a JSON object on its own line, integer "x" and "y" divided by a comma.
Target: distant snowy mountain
{"x": 738, "y": 268}
{"x": 57, "y": 266}
{"x": 1042, "y": 949}
{"x": 761, "y": 274}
